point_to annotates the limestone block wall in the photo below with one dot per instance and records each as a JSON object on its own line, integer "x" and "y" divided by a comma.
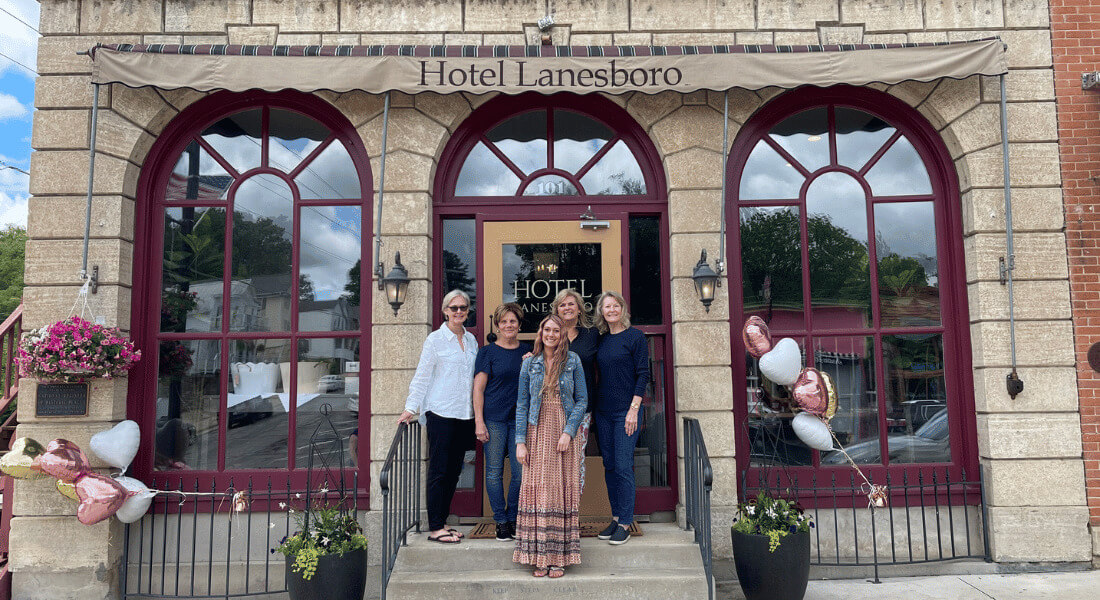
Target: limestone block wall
{"x": 1031, "y": 445}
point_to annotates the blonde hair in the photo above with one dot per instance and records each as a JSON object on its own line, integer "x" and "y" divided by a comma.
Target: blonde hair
{"x": 583, "y": 319}
{"x": 451, "y": 295}
{"x": 560, "y": 356}
{"x": 625, "y": 319}
{"x": 507, "y": 307}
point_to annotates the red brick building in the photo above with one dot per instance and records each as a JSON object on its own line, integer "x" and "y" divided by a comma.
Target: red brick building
{"x": 1075, "y": 33}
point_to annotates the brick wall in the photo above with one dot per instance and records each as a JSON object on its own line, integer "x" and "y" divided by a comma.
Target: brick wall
{"x": 1075, "y": 37}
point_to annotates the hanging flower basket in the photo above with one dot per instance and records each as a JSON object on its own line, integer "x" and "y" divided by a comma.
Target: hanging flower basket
{"x": 74, "y": 351}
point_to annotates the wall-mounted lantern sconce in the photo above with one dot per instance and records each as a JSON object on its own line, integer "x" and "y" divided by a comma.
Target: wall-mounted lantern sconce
{"x": 705, "y": 280}
{"x": 396, "y": 282}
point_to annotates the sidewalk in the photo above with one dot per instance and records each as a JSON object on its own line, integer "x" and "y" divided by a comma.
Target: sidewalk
{"x": 1080, "y": 585}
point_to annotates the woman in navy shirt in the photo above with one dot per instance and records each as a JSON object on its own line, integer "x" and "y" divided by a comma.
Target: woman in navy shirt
{"x": 496, "y": 386}
{"x": 623, "y": 361}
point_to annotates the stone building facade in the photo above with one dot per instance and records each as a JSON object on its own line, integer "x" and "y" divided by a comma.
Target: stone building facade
{"x": 1030, "y": 446}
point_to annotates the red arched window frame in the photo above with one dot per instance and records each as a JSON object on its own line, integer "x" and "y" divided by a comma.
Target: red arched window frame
{"x": 954, "y": 322}
{"x": 148, "y": 260}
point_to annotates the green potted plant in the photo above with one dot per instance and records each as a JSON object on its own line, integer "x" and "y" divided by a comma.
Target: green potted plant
{"x": 326, "y": 559}
{"x": 771, "y": 548}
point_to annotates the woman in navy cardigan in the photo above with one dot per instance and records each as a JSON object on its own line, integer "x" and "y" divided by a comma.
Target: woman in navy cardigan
{"x": 623, "y": 361}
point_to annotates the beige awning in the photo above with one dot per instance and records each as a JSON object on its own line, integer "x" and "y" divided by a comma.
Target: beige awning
{"x": 544, "y": 69}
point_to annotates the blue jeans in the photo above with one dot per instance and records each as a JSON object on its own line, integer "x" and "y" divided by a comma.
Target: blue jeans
{"x": 502, "y": 440}
{"x": 617, "y": 450}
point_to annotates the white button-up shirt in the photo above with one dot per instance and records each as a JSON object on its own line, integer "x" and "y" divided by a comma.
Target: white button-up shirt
{"x": 444, "y": 376}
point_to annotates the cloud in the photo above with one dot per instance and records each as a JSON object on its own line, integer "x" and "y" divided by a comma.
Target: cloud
{"x": 13, "y": 210}
{"x": 16, "y": 39}
{"x": 11, "y": 107}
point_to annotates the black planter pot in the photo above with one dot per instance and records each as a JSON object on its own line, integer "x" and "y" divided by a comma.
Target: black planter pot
{"x": 765, "y": 575}
{"x": 338, "y": 577}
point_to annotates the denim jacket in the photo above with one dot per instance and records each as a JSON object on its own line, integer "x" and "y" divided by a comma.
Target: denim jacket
{"x": 571, "y": 387}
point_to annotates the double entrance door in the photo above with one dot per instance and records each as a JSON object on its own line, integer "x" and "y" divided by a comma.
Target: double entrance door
{"x": 529, "y": 262}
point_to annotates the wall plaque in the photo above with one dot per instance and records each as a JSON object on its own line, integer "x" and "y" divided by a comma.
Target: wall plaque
{"x": 61, "y": 400}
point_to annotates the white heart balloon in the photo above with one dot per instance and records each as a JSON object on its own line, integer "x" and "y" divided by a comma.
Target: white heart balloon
{"x": 118, "y": 445}
{"x": 782, "y": 363}
{"x": 137, "y": 502}
{"x": 812, "y": 431}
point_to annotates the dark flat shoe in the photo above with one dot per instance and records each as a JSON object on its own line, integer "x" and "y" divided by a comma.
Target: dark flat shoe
{"x": 443, "y": 538}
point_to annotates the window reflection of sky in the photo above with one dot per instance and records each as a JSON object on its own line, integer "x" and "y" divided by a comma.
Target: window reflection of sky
{"x": 900, "y": 172}
{"x": 331, "y": 245}
{"x": 859, "y": 136}
{"x": 908, "y": 229}
{"x": 804, "y": 137}
{"x": 617, "y": 172}
{"x": 767, "y": 175}
{"x": 839, "y": 198}
{"x": 483, "y": 174}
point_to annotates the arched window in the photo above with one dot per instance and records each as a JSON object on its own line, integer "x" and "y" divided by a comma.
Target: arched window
{"x": 256, "y": 206}
{"x": 845, "y": 214}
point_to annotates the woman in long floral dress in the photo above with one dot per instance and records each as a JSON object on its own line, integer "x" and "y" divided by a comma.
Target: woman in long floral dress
{"x": 551, "y": 403}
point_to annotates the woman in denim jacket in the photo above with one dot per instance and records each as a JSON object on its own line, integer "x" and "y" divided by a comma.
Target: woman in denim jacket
{"x": 551, "y": 403}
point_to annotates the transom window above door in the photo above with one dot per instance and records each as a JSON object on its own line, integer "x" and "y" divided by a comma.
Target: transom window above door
{"x": 550, "y": 152}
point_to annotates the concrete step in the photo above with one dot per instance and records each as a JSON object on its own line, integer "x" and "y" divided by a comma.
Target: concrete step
{"x": 663, "y": 542}
{"x": 664, "y": 563}
{"x": 580, "y": 582}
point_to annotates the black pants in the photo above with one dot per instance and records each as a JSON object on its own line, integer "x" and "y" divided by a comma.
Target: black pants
{"x": 448, "y": 441}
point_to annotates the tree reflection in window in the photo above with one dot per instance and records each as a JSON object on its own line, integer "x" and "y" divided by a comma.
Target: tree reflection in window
{"x": 550, "y": 153}
{"x": 835, "y": 198}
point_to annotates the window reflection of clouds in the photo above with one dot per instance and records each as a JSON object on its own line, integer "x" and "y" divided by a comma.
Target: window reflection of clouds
{"x": 617, "y": 172}
{"x": 859, "y": 136}
{"x": 522, "y": 139}
{"x": 804, "y": 137}
{"x": 483, "y": 174}
{"x": 839, "y": 198}
{"x": 577, "y": 138}
{"x": 237, "y": 139}
{"x": 331, "y": 245}
{"x": 267, "y": 196}
{"x": 908, "y": 229}
{"x": 329, "y": 176}
{"x": 767, "y": 175}
{"x": 293, "y": 133}
{"x": 900, "y": 172}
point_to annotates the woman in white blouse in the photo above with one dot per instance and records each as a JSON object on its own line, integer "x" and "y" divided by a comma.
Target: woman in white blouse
{"x": 440, "y": 394}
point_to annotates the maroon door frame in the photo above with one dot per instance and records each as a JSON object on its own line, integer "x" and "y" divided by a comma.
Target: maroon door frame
{"x": 954, "y": 305}
{"x": 145, "y": 306}
{"x": 556, "y": 208}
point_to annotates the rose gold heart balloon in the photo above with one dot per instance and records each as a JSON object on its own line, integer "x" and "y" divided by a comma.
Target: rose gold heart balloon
{"x": 100, "y": 497}
{"x": 832, "y": 401}
{"x": 64, "y": 460}
{"x": 21, "y": 461}
{"x": 809, "y": 392}
{"x": 757, "y": 337}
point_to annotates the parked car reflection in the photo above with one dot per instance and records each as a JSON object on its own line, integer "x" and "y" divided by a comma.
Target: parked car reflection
{"x": 929, "y": 444}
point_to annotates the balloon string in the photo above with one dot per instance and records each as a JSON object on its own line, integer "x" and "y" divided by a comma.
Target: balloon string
{"x": 872, "y": 491}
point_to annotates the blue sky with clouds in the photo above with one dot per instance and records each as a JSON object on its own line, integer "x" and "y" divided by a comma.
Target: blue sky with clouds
{"x": 18, "y": 44}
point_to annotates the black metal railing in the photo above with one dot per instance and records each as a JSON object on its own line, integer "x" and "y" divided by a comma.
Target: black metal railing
{"x": 399, "y": 482}
{"x": 199, "y": 547}
{"x": 928, "y": 518}
{"x": 698, "y": 479}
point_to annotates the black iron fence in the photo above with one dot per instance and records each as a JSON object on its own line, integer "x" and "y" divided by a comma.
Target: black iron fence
{"x": 399, "y": 481}
{"x": 927, "y": 518}
{"x": 198, "y": 546}
{"x": 698, "y": 479}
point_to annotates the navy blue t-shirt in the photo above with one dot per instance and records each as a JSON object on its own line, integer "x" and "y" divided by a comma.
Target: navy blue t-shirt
{"x": 502, "y": 366}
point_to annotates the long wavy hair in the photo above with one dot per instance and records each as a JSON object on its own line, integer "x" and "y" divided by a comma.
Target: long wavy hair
{"x": 559, "y": 354}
